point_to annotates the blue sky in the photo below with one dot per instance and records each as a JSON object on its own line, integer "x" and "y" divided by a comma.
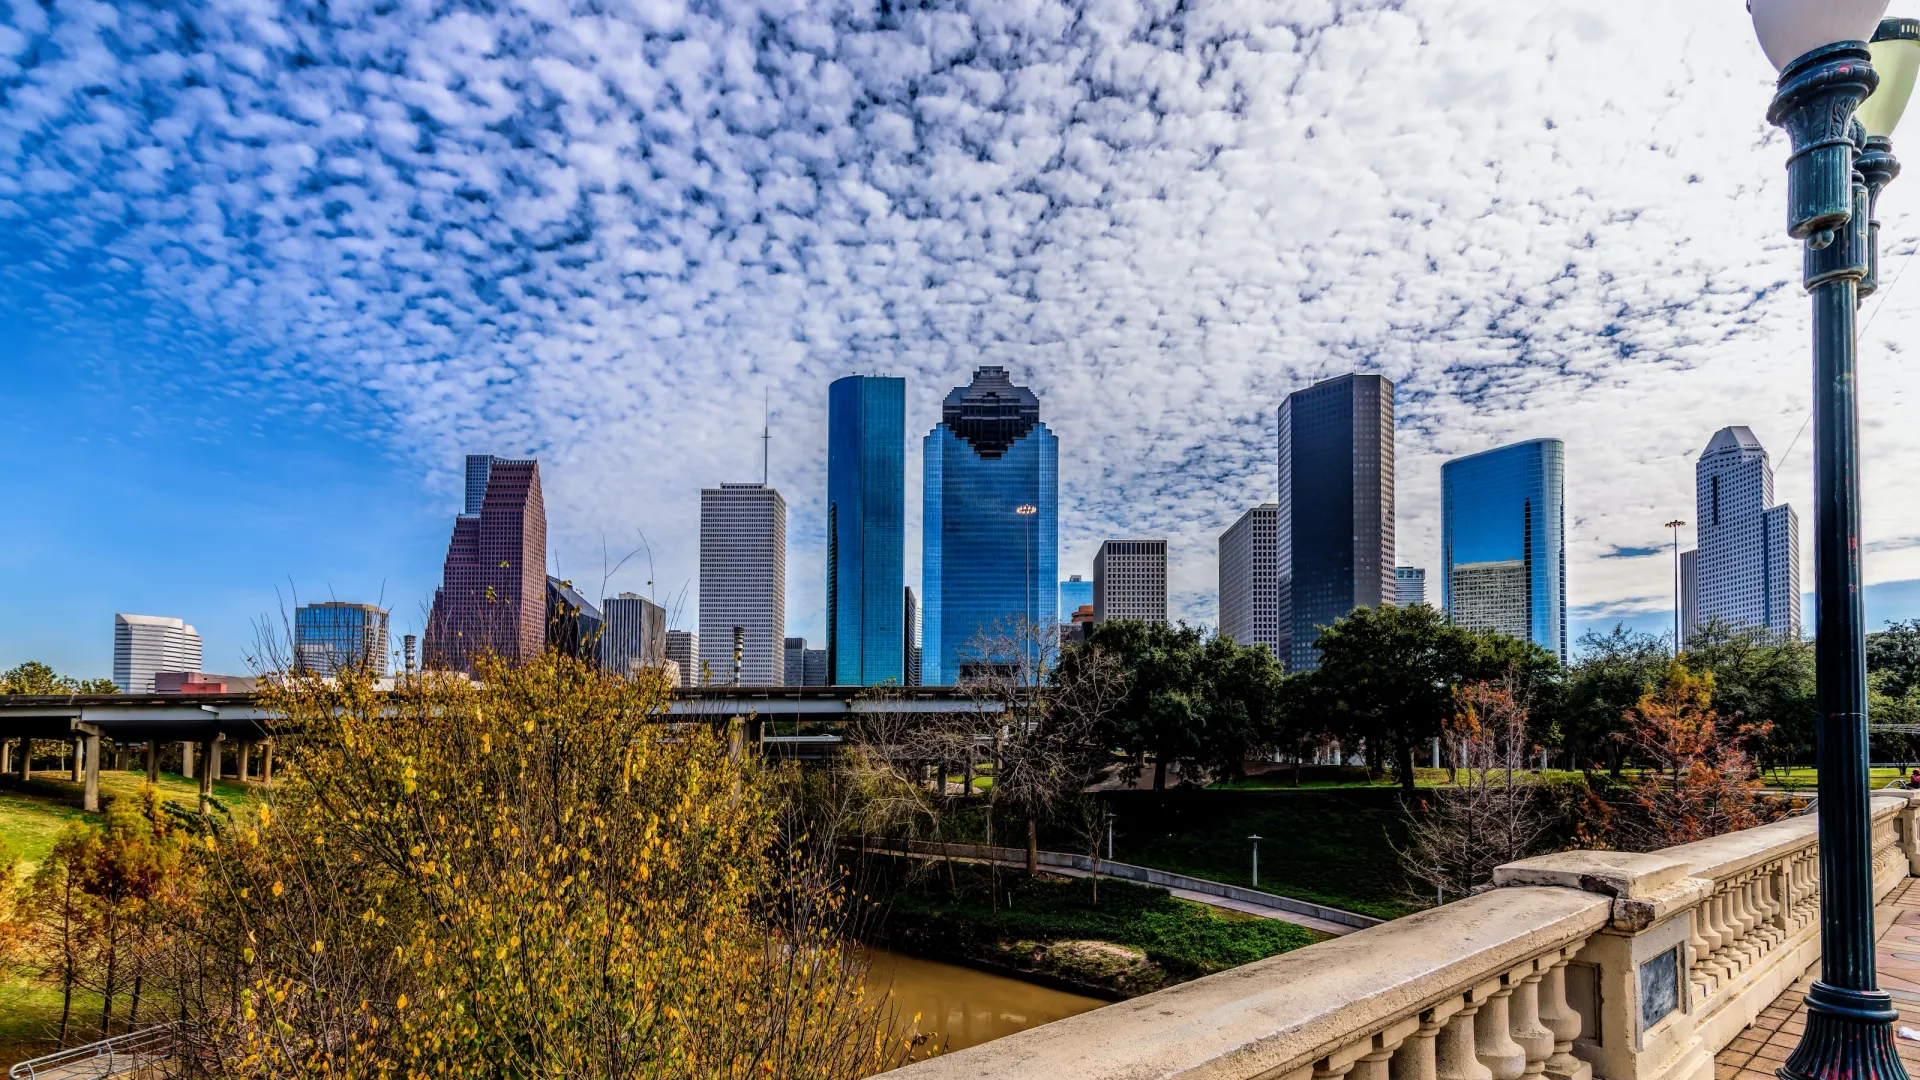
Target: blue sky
{"x": 268, "y": 270}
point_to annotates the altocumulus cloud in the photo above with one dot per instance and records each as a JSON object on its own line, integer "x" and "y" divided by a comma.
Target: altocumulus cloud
{"x": 600, "y": 232}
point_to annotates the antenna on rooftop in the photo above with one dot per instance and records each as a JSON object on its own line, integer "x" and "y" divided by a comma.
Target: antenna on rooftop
{"x": 766, "y": 437}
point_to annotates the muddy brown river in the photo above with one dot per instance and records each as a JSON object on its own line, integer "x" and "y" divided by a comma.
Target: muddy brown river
{"x": 962, "y": 1007}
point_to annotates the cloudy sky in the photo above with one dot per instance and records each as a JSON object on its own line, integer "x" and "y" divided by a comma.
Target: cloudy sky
{"x": 268, "y": 269}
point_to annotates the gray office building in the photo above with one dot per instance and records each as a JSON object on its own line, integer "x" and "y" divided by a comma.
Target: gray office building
{"x": 1409, "y": 586}
{"x": 1130, "y": 581}
{"x": 1748, "y": 549}
{"x": 334, "y": 635}
{"x": 633, "y": 634}
{"x": 683, "y": 648}
{"x": 805, "y": 666}
{"x": 1250, "y": 580}
{"x": 743, "y": 582}
{"x": 1335, "y": 511}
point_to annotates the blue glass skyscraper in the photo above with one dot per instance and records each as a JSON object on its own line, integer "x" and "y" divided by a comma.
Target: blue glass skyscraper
{"x": 991, "y": 526}
{"x": 1075, "y": 593}
{"x": 866, "y": 530}
{"x": 1333, "y": 522}
{"x": 1503, "y": 548}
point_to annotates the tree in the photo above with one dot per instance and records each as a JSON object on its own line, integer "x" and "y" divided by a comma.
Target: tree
{"x": 1760, "y": 678}
{"x": 1896, "y": 651}
{"x": 1196, "y": 702}
{"x": 1048, "y": 715}
{"x": 1491, "y": 814}
{"x": 529, "y": 875}
{"x": 1611, "y": 673}
{"x": 34, "y": 677}
{"x": 1700, "y": 778}
{"x": 1387, "y": 677}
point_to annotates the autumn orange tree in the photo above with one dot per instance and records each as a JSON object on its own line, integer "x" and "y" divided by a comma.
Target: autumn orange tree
{"x": 525, "y": 876}
{"x": 1699, "y": 777}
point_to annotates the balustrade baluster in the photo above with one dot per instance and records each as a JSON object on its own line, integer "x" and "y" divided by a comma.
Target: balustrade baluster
{"x": 1454, "y": 1057}
{"x": 1493, "y": 1037}
{"x": 1415, "y": 1058}
{"x": 1374, "y": 1066}
{"x": 1560, "y": 1018}
{"x": 1525, "y": 1027}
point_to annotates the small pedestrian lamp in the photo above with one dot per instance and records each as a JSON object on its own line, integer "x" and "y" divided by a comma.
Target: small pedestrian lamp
{"x": 1256, "y": 859}
{"x": 1845, "y": 77}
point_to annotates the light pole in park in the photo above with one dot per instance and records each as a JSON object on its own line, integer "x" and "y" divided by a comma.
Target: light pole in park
{"x": 1675, "y": 525}
{"x": 1839, "y": 113}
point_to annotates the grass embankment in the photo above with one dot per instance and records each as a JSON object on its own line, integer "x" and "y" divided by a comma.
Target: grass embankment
{"x": 31, "y": 820}
{"x": 1329, "y": 845}
{"x": 1135, "y": 940}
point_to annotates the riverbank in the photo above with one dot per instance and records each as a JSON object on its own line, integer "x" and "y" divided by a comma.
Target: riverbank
{"x": 1132, "y": 940}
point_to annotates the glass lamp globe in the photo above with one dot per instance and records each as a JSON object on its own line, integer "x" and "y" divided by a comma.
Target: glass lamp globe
{"x": 1790, "y": 29}
{"x": 1896, "y": 56}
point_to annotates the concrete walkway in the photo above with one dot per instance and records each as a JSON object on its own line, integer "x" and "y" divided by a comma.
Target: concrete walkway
{"x": 1331, "y": 929}
{"x": 1756, "y": 1052}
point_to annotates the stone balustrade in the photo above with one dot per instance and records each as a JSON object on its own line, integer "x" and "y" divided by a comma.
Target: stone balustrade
{"x": 1576, "y": 965}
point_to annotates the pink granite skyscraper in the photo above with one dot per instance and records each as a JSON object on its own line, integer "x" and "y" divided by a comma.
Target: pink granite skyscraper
{"x": 493, "y": 595}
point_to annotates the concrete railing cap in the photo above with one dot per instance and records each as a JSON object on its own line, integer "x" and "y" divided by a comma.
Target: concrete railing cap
{"x": 1623, "y": 875}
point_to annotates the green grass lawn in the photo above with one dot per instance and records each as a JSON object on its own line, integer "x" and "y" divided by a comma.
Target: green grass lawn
{"x": 31, "y": 820}
{"x": 1330, "y": 845}
{"x": 1806, "y": 778}
{"x": 1180, "y": 940}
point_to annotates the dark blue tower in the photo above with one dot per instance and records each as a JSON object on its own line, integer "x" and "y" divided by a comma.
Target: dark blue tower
{"x": 991, "y": 525}
{"x": 866, "y": 530}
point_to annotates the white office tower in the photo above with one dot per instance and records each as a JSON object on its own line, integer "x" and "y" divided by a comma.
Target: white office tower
{"x": 683, "y": 651}
{"x": 633, "y": 634}
{"x": 1250, "y": 578}
{"x": 1130, "y": 581}
{"x": 1749, "y": 549}
{"x": 743, "y": 582}
{"x": 145, "y": 644}
{"x": 1409, "y": 586}
{"x": 1491, "y": 596}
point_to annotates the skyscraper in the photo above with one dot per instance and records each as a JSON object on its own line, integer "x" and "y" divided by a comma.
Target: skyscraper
{"x": 334, "y": 635}
{"x": 1409, "y": 586}
{"x": 1503, "y": 546}
{"x": 866, "y": 529}
{"x": 1749, "y": 549}
{"x": 1250, "y": 580}
{"x": 633, "y": 633}
{"x": 683, "y": 648}
{"x": 743, "y": 582}
{"x": 1335, "y": 521}
{"x": 1075, "y": 592}
{"x": 145, "y": 644}
{"x": 493, "y": 592}
{"x": 1130, "y": 581}
{"x": 990, "y": 528}
{"x": 1689, "y": 587}
{"x": 573, "y": 623}
{"x": 910, "y": 637}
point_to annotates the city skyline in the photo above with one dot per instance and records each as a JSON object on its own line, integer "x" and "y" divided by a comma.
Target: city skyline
{"x": 1566, "y": 271}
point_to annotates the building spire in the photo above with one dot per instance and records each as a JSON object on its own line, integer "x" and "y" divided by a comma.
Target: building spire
{"x": 766, "y": 435}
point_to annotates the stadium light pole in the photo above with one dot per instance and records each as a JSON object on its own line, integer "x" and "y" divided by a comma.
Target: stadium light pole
{"x": 1839, "y": 113}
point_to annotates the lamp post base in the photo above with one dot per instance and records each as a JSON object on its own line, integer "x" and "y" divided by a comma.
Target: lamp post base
{"x": 1849, "y": 1036}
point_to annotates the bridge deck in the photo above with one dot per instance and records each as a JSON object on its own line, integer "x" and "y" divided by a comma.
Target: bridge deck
{"x": 1763, "y": 1047}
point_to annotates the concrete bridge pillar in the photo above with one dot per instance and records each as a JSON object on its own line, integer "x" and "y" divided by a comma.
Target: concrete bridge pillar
{"x": 266, "y": 763}
{"x": 210, "y": 752}
{"x": 186, "y": 760}
{"x": 26, "y": 759}
{"x": 153, "y": 762}
{"x": 90, "y": 798}
{"x": 77, "y": 748}
{"x": 6, "y": 756}
{"x": 242, "y": 754}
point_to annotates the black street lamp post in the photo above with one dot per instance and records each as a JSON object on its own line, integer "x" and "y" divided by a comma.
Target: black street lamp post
{"x": 1834, "y": 177}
